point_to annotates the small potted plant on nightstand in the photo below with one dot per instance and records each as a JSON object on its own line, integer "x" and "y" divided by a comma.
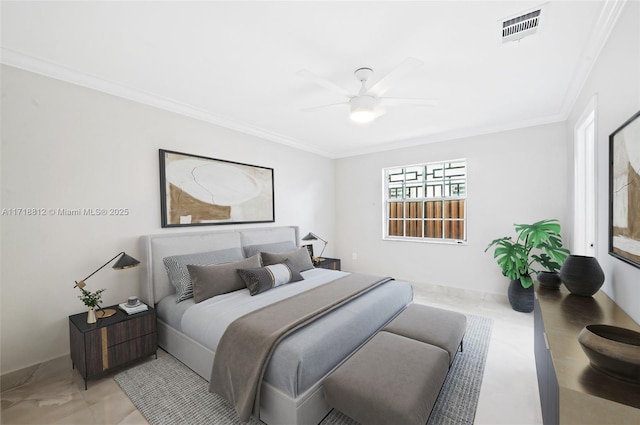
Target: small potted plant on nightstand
{"x": 515, "y": 258}
{"x": 91, "y": 300}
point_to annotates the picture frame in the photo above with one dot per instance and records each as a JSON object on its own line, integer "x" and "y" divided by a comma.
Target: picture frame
{"x": 624, "y": 191}
{"x": 200, "y": 191}
{"x": 310, "y": 249}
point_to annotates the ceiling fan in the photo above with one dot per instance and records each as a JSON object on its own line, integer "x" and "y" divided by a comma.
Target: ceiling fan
{"x": 368, "y": 103}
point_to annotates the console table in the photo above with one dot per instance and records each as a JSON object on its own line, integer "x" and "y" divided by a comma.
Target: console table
{"x": 571, "y": 391}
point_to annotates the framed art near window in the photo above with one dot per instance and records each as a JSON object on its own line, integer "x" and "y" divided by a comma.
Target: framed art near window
{"x": 624, "y": 192}
{"x": 199, "y": 191}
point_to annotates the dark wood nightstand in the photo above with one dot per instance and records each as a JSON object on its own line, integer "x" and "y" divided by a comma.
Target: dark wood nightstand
{"x": 112, "y": 342}
{"x": 328, "y": 263}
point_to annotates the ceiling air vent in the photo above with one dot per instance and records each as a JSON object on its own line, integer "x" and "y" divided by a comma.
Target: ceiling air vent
{"x": 521, "y": 26}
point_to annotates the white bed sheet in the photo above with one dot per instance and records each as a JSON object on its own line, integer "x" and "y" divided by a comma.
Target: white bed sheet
{"x": 220, "y": 311}
{"x": 206, "y": 321}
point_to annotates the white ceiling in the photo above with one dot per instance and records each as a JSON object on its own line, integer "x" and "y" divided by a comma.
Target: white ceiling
{"x": 235, "y": 63}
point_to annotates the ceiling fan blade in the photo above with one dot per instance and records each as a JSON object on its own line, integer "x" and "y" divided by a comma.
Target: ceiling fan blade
{"x": 406, "y": 66}
{"x": 331, "y": 105}
{"x": 323, "y": 82}
{"x": 399, "y": 101}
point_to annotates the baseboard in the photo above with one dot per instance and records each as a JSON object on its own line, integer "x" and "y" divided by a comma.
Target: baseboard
{"x": 423, "y": 288}
{"x": 19, "y": 377}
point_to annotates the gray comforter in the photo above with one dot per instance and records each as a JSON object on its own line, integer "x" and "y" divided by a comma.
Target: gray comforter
{"x": 248, "y": 343}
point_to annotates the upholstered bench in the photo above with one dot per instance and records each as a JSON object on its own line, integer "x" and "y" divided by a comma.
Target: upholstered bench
{"x": 390, "y": 380}
{"x": 395, "y": 378}
{"x": 442, "y": 328}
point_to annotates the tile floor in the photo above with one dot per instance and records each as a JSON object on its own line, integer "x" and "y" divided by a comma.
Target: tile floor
{"x": 53, "y": 393}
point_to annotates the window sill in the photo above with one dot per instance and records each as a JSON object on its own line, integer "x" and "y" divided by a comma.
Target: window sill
{"x": 427, "y": 241}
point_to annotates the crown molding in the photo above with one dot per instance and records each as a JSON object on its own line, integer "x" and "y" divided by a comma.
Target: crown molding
{"x": 451, "y": 135}
{"x": 607, "y": 20}
{"x": 60, "y": 72}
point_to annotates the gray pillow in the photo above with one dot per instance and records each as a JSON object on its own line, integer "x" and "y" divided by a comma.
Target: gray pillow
{"x": 299, "y": 258}
{"x": 176, "y": 266}
{"x": 264, "y": 278}
{"x": 209, "y": 281}
{"x": 269, "y": 247}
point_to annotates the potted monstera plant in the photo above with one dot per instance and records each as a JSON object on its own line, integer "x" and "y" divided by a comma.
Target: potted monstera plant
{"x": 540, "y": 244}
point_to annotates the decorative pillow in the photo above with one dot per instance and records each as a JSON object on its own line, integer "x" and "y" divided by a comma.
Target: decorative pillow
{"x": 299, "y": 258}
{"x": 209, "y": 281}
{"x": 269, "y": 247}
{"x": 179, "y": 275}
{"x": 264, "y": 278}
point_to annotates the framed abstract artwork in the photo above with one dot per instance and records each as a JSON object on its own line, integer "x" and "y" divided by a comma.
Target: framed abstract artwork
{"x": 200, "y": 191}
{"x": 624, "y": 191}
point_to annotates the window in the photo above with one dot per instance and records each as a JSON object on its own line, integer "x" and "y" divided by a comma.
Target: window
{"x": 426, "y": 202}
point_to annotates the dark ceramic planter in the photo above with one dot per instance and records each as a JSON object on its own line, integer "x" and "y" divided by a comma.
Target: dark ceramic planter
{"x": 521, "y": 299}
{"x": 582, "y": 275}
{"x": 550, "y": 280}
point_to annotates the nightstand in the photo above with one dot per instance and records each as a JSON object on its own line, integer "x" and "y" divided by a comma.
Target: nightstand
{"x": 112, "y": 342}
{"x": 328, "y": 263}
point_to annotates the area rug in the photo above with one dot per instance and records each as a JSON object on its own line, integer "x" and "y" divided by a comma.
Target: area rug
{"x": 168, "y": 392}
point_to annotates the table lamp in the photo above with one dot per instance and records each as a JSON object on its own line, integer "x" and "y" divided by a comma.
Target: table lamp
{"x": 312, "y": 237}
{"x": 124, "y": 262}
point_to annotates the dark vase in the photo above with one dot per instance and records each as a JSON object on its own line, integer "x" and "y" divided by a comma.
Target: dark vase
{"x": 582, "y": 275}
{"x": 550, "y": 280}
{"x": 521, "y": 299}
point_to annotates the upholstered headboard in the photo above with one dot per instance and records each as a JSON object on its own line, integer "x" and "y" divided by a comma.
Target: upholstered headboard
{"x": 155, "y": 282}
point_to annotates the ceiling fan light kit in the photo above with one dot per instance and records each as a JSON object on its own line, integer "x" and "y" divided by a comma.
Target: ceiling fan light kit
{"x": 362, "y": 109}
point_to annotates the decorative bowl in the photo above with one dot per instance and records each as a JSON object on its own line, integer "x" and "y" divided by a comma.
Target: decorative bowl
{"x": 612, "y": 350}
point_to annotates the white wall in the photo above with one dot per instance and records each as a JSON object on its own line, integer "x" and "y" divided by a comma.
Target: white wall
{"x": 513, "y": 177}
{"x": 615, "y": 80}
{"x": 65, "y": 146}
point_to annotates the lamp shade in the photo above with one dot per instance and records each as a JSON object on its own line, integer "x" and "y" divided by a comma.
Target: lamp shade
{"x": 310, "y": 237}
{"x": 125, "y": 262}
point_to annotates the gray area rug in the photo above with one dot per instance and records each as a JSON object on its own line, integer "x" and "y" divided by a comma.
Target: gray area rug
{"x": 168, "y": 392}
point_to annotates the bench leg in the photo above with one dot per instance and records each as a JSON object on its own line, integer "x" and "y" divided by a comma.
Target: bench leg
{"x": 460, "y": 349}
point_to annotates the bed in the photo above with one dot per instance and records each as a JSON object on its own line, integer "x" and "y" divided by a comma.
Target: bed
{"x": 291, "y": 391}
